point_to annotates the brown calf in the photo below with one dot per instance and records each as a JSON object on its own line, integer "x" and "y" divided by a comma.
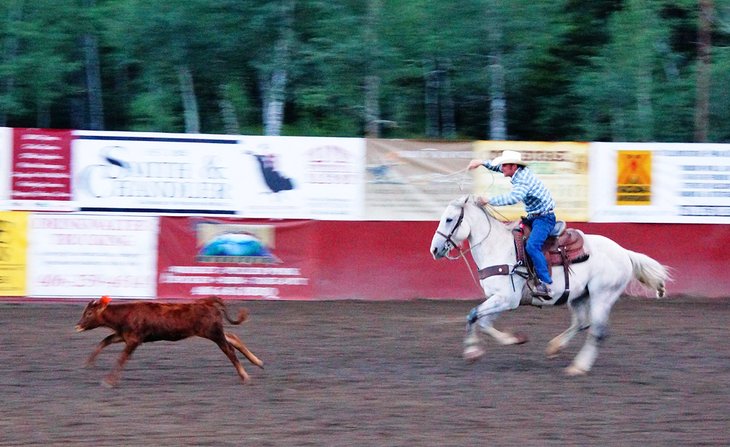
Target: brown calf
{"x": 139, "y": 322}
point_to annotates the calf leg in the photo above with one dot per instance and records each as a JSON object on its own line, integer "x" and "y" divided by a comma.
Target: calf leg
{"x": 113, "y": 377}
{"x": 228, "y": 350}
{"x": 238, "y": 344}
{"x": 113, "y": 338}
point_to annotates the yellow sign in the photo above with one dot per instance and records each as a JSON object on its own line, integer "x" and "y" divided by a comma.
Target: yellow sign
{"x": 13, "y": 247}
{"x": 562, "y": 166}
{"x": 633, "y": 182}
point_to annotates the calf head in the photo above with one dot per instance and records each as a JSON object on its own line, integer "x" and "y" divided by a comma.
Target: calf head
{"x": 91, "y": 316}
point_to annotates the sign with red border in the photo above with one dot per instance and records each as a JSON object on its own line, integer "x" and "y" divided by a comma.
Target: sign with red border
{"x": 41, "y": 169}
{"x": 234, "y": 258}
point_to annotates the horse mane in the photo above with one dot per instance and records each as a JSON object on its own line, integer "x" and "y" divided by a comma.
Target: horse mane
{"x": 488, "y": 210}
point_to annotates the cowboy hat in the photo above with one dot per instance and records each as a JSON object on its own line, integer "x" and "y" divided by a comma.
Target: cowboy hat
{"x": 509, "y": 157}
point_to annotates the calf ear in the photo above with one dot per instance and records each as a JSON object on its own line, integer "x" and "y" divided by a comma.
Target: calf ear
{"x": 103, "y": 301}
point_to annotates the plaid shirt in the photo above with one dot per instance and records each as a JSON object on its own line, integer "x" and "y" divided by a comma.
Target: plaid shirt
{"x": 525, "y": 188}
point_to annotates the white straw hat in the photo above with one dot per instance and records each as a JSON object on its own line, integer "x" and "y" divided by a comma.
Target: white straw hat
{"x": 509, "y": 157}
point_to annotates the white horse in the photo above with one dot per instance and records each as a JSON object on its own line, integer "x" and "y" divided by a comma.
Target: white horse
{"x": 594, "y": 284}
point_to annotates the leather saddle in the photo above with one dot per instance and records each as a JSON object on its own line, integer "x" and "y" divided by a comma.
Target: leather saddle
{"x": 564, "y": 246}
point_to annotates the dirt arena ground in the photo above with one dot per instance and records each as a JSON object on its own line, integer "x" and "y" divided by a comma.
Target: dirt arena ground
{"x": 373, "y": 374}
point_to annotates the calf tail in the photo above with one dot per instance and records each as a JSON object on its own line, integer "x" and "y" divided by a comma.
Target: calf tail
{"x": 242, "y": 314}
{"x": 650, "y": 273}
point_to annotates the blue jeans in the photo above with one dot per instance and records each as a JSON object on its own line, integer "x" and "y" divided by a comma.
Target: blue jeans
{"x": 541, "y": 228}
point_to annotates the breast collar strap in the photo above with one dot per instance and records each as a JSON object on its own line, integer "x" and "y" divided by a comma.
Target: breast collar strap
{"x": 503, "y": 269}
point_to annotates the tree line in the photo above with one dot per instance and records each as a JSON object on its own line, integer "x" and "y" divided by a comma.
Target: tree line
{"x": 570, "y": 70}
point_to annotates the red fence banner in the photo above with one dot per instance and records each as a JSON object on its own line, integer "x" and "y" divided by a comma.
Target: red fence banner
{"x": 235, "y": 258}
{"x": 41, "y": 169}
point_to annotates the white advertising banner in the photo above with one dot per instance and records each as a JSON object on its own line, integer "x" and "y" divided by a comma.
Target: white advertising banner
{"x": 78, "y": 255}
{"x": 153, "y": 172}
{"x": 300, "y": 177}
{"x": 660, "y": 182}
{"x": 6, "y": 158}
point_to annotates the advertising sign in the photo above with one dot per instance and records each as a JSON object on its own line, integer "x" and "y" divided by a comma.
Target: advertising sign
{"x": 155, "y": 173}
{"x": 235, "y": 259}
{"x": 562, "y": 166}
{"x": 414, "y": 180}
{"x": 41, "y": 169}
{"x": 6, "y": 159}
{"x": 300, "y": 177}
{"x": 633, "y": 180}
{"x": 660, "y": 182}
{"x": 75, "y": 255}
{"x": 13, "y": 246}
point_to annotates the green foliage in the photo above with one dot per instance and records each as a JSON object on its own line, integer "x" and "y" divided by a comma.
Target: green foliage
{"x": 156, "y": 109}
{"x": 574, "y": 70}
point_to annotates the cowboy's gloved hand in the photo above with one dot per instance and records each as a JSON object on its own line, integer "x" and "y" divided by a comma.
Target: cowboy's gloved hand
{"x": 482, "y": 200}
{"x": 474, "y": 164}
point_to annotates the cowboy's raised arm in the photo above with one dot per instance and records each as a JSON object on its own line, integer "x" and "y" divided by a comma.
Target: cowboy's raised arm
{"x": 475, "y": 163}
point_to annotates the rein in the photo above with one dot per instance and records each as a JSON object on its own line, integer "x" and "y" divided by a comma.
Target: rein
{"x": 483, "y": 273}
{"x": 454, "y": 245}
{"x": 448, "y": 238}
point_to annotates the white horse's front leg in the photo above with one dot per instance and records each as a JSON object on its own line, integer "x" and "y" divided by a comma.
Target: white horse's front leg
{"x": 480, "y": 319}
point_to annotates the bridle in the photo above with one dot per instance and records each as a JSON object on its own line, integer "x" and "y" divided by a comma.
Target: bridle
{"x": 449, "y": 241}
{"x": 462, "y": 252}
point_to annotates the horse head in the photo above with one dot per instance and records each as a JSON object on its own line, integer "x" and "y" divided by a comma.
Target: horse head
{"x": 452, "y": 229}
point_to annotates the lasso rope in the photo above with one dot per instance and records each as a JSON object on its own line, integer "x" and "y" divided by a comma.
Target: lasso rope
{"x": 443, "y": 177}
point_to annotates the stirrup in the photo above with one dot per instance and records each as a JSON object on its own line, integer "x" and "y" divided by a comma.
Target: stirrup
{"x": 542, "y": 294}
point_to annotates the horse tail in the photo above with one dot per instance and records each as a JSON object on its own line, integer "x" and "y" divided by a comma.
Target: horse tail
{"x": 650, "y": 272}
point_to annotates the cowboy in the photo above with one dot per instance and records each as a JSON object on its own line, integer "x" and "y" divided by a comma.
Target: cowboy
{"x": 539, "y": 206}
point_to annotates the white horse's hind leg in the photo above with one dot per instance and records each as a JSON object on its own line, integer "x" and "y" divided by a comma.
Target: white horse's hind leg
{"x": 579, "y": 321}
{"x": 583, "y": 362}
{"x": 586, "y": 357}
{"x": 559, "y": 343}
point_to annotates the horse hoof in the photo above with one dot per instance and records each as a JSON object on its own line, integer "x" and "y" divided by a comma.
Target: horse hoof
{"x": 473, "y": 353}
{"x": 574, "y": 371}
{"x": 552, "y": 350}
{"x": 520, "y": 338}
